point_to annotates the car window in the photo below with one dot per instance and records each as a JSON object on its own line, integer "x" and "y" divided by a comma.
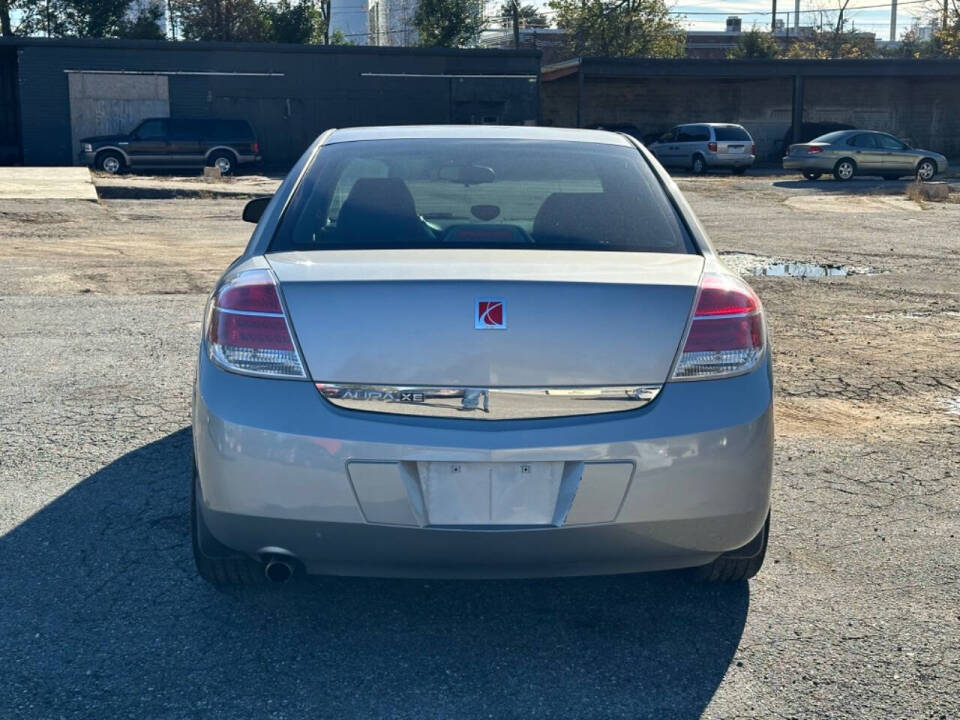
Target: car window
{"x": 443, "y": 193}
{"x": 686, "y": 133}
{"x": 863, "y": 140}
{"x": 152, "y": 129}
{"x": 180, "y": 129}
{"x": 701, "y": 133}
{"x": 730, "y": 132}
{"x": 888, "y": 142}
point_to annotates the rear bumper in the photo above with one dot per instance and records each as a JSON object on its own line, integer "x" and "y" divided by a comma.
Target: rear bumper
{"x": 273, "y": 471}
{"x": 732, "y": 160}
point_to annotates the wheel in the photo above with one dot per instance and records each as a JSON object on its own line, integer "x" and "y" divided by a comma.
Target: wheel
{"x": 844, "y": 169}
{"x": 812, "y": 174}
{"x": 216, "y": 563}
{"x": 739, "y": 170}
{"x": 740, "y": 564}
{"x": 224, "y": 161}
{"x": 926, "y": 169}
{"x": 699, "y": 165}
{"x": 110, "y": 162}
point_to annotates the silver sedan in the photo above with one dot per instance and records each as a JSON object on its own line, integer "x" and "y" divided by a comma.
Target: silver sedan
{"x": 480, "y": 352}
{"x": 848, "y": 153}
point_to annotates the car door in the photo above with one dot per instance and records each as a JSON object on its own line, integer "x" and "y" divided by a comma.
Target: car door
{"x": 148, "y": 144}
{"x": 863, "y": 148}
{"x": 684, "y": 146}
{"x": 183, "y": 138}
{"x": 664, "y": 148}
{"x": 897, "y": 156}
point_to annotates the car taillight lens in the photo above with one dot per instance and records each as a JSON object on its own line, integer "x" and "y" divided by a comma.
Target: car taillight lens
{"x": 726, "y": 335}
{"x": 247, "y": 330}
{"x": 712, "y": 146}
{"x": 753, "y": 149}
{"x": 255, "y": 147}
{"x": 814, "y": 150}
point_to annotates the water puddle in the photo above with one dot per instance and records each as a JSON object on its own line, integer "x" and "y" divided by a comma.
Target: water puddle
{"x": 749, "y": 264}
{"x": 952, "y": 405}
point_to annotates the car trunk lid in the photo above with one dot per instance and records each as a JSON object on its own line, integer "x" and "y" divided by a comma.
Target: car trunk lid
{"x": 409, "y": 317}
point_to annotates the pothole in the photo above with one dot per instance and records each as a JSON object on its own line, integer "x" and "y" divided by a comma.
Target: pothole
{"x": 749, "y": 264}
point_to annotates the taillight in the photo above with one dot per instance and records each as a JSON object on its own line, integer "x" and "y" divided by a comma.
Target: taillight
{"x": 753, "y": 149}
{"x": 712, "y": 146}
{"x": 814, "y": 150}
{"x": 255, "y": 147}
{"x": 726, "y": 335}
{"x": 247, "y": 330}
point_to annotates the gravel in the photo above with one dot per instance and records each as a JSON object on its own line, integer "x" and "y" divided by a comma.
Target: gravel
{"x": 855, "y": 613}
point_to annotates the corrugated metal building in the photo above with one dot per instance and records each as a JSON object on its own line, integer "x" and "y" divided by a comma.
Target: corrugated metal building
{"x": 64, "y": 89}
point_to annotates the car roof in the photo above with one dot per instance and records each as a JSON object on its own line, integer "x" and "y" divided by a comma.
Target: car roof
{"x": 477, "y": 132}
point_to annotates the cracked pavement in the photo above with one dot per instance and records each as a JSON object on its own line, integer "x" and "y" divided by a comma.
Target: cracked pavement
{"x": 856, "y": 613}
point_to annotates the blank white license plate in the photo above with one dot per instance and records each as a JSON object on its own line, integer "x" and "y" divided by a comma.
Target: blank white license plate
{"x": 466, "y": 493}
{"x": 735, "y": 148}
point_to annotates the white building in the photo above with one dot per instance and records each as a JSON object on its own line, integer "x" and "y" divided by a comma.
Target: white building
{"x": 352, "y": 19}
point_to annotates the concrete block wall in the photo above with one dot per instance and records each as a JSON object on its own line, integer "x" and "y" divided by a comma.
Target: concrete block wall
{"x": 657, "y": 104}
{"x": 924, "y": 111}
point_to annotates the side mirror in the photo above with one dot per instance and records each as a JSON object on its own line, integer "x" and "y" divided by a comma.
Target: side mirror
{"x": 253, "y": 210}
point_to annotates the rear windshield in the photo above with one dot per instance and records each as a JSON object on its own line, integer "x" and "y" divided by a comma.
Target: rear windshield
{"x": 730, "y": 132}
{"x": 443, "y": 193}
{"x": 830, "y": 137}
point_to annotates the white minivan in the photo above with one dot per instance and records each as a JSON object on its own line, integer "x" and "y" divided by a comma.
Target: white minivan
{"x": 703, "y": 146}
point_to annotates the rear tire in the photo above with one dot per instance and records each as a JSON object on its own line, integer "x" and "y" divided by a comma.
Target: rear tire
{"x": 740, "y": 564}
{"x": 926, "y": 170}
{"x": 844, "y": 170}
{"x": 812, "y": 174}
{"x": 699, "y": 165}
{"x": 109, "y": 162}
{"x": 217, "y": 564}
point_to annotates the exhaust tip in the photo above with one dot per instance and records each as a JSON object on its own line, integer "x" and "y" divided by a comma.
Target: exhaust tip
{"x": 278, "y": 571}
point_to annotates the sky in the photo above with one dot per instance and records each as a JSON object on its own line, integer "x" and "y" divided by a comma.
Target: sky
{"x": 712, "y": 14}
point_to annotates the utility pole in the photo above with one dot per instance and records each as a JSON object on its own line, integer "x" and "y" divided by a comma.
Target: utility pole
{"x": 943, "y": 25}
{"x": 893, "y": 20}
{"x": 515, "y": 16}
{"x": 773, "y": 18}
{"x": 796, "y": 17}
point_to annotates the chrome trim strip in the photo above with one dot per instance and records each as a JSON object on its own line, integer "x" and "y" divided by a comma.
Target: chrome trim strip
{"x": 475, "y": 403}
{"x": 253, "y": 313}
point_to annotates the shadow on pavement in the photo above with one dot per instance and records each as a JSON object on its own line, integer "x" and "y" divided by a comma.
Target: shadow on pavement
{"x": 826, "y": 183}
{"x": 102, "y": 615}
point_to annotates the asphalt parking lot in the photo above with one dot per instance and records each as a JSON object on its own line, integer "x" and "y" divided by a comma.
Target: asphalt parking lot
{"x": 855, "y": 614}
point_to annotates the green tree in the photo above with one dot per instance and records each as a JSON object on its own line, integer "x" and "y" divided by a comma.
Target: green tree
{"x": 338, "y": 38}
{"x": 299, "y": 21}
{"x": 755, "y": 44}
{"x": 620, "y": 28}
{"x": 224, "y": 20}
{"x": 529, "y": 15}
{"x": 448, "y": 23}
{"x": 946, "y": 41}
{"x": 74, "y": 18}
{"x": 146, "y": 24}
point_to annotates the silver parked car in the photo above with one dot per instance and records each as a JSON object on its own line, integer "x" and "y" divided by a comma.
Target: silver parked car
{"x": 848, "y": 153}
{"x": 704, "y": 146}
{"x": 480, "y": 352}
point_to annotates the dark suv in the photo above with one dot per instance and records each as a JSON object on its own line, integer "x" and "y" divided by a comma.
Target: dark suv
{"x": 174, "y": 143}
